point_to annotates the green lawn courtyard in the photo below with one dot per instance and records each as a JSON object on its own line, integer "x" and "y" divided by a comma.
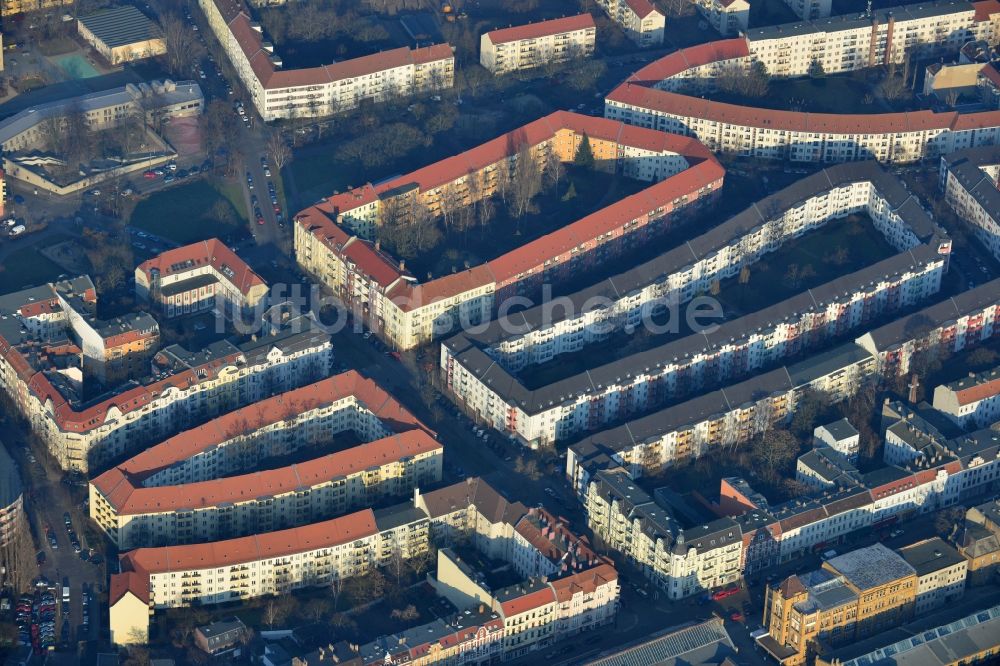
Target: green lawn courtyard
{"x": 194, "y": 211}
{"x": 29, "y": 267}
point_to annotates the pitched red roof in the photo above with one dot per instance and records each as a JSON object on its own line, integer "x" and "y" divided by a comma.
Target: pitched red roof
{"x": 638, "y": 91}
{"x": 528, "y": 602}
{"x": 978, "y": 392}
{"x": 541, "y": 29}
{"x": 704, "y": 171}
{"x": 990, "y": 73}
{"x": 642, "y": 8}
{"x": 986, "y": 9}
{"x": 271, "y": 410}
{"x": 211, "y": 252}
{"x": 128, "y": 581}
{"x": 190, "y": 557}
{"x": 271, "y": 77}
{"x": 584, "y": 582}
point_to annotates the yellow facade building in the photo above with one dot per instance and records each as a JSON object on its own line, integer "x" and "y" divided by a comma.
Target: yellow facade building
{"x": 853, "y": 596}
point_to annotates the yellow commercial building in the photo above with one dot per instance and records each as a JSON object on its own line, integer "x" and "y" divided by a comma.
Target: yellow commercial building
{"x": 853, "y": 596}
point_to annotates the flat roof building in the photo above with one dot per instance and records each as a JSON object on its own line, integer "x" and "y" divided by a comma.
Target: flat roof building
{"x": 122, "y": 34}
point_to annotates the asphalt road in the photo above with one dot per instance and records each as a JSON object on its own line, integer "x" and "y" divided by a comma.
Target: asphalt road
{"x": 46, "y": 498}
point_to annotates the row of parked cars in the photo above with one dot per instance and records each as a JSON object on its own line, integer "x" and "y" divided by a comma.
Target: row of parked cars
{"x": 36, "y": 620}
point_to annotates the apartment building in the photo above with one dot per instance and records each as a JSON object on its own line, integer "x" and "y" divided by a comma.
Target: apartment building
{"x": 326, "y": 90}
{"x": 11, "y": 498}
{"x": 969, "y": 182}
{"x": 665, "y": 94}
{"x": 165, "y": 99}
{"x": 537, "y": 611}
{"x": 941, "y": 573}
{"x": 277, "y": 562}
{"x": 822, "y": 469}
{"x": 206, "y": 275}
{"x": 851, "y": 597}
{"x": 200, "y": 485}
{"x": 613, "y": 391}
{"x": 978, "y": 541}
{"x": 469, "y": 637}
{"x": 961, "y": 322}
{"x": 267, "y": 563}
{"x": 537, "y": 44}
{"x": 841, "y": 437}
{"x": 331, "y": 245}
{"x": 683, "y": 562}
{"x": 179, "y": 388}
{"x": 971, "y": 401}
{"x": 481, "y": 368}
{"x": 809, "y": 10}
{"x": 642, "y": 22}
{"x": 728, "y": 17}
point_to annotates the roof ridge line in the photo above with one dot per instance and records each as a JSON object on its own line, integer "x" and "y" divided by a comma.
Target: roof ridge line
{"x": 813, "y": 297}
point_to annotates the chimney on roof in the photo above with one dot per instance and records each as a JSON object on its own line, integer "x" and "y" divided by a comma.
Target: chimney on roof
{"x": 402, "y": 264}
{"x": 378, "y": 245}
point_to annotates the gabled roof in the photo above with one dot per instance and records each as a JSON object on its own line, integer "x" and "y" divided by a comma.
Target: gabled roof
{"x": 128, "y": 582}
{"x": 197, "y": 256}
{"x": 243, "y": 550}
{"x": 541, "y": 29}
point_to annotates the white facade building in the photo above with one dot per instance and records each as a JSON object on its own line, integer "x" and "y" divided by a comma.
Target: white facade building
{"x": 537, "y": 44}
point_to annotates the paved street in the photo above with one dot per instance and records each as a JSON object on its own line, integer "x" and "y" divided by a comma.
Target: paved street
{"x": 46, "y": 498}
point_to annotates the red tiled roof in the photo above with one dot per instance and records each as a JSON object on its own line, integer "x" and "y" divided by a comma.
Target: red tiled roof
{"x": 693, "y": 56}
{"x": 211, "y": 252}
{"x": 584, "y": 582}
{"x": 541, "y": 29}
{"x": 527, "y": 602}
{"x": 704, "y": 170}
{"x": 990, "y": 73}
{"x": 128, "y": 581}
{"x": 847, "y": 124}
{"x": 190, "y": 557}
{"x": 642, "y": 8}
{"x": 271, "y": 410}
{"x": 250, "y": 42}
{"x": 128, "y": 498}
{"x": 638, "y": 91}
{"x": 985, "y": 9}
{"x": 978, "y": 392}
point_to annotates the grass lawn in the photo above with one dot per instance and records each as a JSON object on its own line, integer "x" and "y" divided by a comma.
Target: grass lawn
{"x": 319, "y": 174}
{"x": 594, "y": 190}
{"x": 26, "y": 267}
{"x": 838, "y": 248}
{"x": 836, "y": 93}
{"x": 860, "y": 245}
{"x": 185, "y": 213}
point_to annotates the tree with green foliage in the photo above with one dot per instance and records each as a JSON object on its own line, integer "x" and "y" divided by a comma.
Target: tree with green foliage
{"x": 584, "y": 154}
{"x": 816, "y": 69}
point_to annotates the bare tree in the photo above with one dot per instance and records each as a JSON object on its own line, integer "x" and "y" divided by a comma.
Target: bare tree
{"x": 553, "y": 169}
{"x": 336, "y": 589}
{"x": 526, "y": 181}
{"x": 78, "y": 139}
{"x": 397, "y": 564}
{"x": 183, "y": 49}
{"x": 278, "y": 149}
